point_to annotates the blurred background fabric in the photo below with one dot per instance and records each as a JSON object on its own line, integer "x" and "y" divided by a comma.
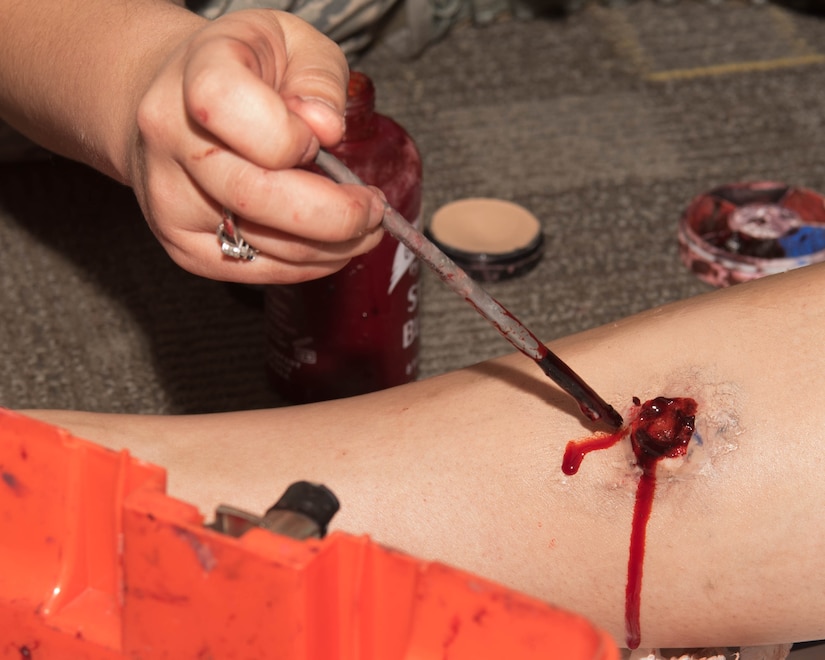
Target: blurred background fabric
{"x": 605, "y": 123}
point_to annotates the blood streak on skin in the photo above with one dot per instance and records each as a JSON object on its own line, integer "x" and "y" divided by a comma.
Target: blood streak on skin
{"x": 659, "y": 428}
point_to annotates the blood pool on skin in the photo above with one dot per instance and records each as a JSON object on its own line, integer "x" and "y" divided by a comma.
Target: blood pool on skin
{"x": 658, "y": 428}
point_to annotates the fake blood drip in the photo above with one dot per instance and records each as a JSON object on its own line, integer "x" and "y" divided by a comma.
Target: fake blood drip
{"x": 659, "y": 428}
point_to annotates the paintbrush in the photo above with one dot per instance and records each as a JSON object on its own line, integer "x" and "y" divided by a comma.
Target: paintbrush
{"x": 513, "y": 330}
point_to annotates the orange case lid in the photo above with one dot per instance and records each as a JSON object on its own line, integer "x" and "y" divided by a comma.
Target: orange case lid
{"x": 97, "y": 562}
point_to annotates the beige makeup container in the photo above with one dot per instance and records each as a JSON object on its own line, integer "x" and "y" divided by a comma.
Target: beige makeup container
{"x": 490, "y": 239}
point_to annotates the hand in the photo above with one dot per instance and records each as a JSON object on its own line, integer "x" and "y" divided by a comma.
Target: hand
{"x": 226, "y": 123}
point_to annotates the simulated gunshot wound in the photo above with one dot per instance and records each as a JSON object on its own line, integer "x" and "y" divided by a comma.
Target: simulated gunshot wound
{"x": 658, "y": 429}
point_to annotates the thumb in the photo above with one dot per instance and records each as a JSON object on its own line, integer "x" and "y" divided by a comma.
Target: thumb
{"x": 314, "y": 84}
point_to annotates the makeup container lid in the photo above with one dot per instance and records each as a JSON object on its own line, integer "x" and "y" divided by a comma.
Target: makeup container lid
{"x": 742, "y": 231}
{"x": 490, "y": 239}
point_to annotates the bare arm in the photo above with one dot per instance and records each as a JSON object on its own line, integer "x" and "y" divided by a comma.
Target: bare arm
{"x": 73, "y": 73}
{"x": 466, "y": 468}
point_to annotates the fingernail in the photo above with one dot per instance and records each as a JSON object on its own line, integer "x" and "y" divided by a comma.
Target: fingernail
{"x": 311, "y": 150}
{"x": 378, "y": 206}
{"x": 326, "y": 112}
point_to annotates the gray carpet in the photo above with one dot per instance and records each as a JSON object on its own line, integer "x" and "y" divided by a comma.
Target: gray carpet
{"x": 604, "y": 123}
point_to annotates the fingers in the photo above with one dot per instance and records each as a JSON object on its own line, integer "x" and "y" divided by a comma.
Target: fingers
{"x": 315, "y": 83}
{"x": 266, "y": 95}
{"x": 204, "y": 256}
{"x": 291, "y": 201}
{"x": 287, "y": 261}
{"x": 189, "y": 235}
{"x": 227, "y": 124}
{"x": 230, "y": 101}
{"x": 188, "y": 228}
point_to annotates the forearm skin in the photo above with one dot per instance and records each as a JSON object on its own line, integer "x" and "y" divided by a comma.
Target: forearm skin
{"x": 466, "y": 468}
{"x": 72, "y": 73}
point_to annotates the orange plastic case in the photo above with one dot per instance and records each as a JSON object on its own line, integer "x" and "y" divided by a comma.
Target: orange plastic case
{"x": 97, "y": 562}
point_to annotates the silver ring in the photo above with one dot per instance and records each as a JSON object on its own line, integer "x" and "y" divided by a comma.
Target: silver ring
{"x": 232, "y": 243}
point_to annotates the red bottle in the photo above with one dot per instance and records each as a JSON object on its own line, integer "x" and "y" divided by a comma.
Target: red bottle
{"x": 355, "y": 331}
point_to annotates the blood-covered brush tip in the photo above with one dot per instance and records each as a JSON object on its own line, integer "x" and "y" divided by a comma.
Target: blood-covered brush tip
{"x": 591, "y": 404}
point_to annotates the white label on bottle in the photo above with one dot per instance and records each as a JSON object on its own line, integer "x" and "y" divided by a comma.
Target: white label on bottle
{"x": 402, "y": 260}
{"x": 409, "y": 333}
{"x": 412, "y": 293}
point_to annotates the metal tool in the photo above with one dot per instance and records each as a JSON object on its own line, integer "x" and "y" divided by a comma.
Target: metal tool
{"x": 302, "y": 512}
{"x": 590, "y": 403}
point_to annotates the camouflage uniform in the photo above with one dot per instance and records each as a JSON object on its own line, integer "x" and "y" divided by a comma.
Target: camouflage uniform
{"x": 407, "y": 27}
{"x": 354, "y": 24}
